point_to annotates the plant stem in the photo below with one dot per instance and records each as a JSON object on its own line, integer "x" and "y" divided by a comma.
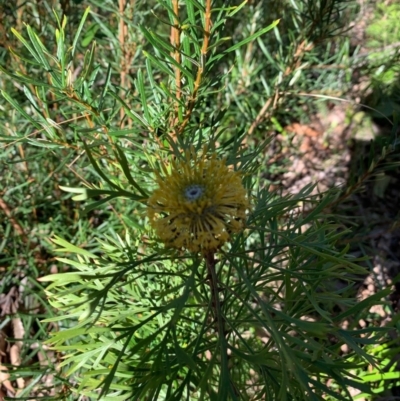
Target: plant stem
{"x": 200, "y": 70}
{"x": 175, "y": 41}
{"x": 215, "y": 302}
{"x": 220, "y": 328}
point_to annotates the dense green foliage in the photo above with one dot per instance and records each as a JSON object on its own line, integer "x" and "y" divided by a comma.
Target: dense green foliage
{"x": 91, "y": 100}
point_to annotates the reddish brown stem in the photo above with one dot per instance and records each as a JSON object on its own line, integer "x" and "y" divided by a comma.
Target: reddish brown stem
{"x": 175, "y": 41}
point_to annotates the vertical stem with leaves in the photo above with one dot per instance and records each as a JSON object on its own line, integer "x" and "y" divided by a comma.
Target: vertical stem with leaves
{"x": 175, "y": 41}
{"x": 200, "y": 70}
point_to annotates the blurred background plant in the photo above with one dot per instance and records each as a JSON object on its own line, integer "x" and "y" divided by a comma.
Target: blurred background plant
{"x": 383, "y": 59}
{"x": 91, "y": 101}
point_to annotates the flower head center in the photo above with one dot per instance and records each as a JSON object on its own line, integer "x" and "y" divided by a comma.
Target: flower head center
{"x": 193, "y": 192}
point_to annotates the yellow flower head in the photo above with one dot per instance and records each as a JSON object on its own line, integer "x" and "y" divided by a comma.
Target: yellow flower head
{"x": 198, "y": 204}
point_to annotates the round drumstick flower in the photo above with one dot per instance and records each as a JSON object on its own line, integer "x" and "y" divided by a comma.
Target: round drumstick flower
{"x": 198, "y": 204}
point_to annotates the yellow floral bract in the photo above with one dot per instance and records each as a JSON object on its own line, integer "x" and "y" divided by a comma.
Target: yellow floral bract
{"x": 198, "y": 204}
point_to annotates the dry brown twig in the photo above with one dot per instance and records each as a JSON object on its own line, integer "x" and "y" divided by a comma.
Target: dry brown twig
{"x": 301, "y": 49}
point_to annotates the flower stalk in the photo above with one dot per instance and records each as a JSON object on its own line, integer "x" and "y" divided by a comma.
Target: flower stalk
{"x": 215, "y": 290}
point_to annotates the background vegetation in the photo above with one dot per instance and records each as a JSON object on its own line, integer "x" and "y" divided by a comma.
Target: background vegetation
{"x": 91, "y": 99}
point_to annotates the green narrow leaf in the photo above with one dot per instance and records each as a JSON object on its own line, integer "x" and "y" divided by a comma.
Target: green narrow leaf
{"x": 131, "y": 113}
{"x": 142, "y": 91}
{"x": 154, "y": 86}
{"x": 60, "y": 40}
{"x": 97, "y": 204}
{"x": 17, "y": 107}
{"x": 348, "y": 339}
{"x": 61, "y": 279}
{"x": 183, "y": 357}
{"x": 26, "y": 44}
{"x": 154, "y": 39}
{"x": 39, "y": 48}
{"x": 125, "y": 168}
{"x": 68, "y": 247}
{"x": 105, "y": 87}
{"x": 140, "y": 345}
{"x": 252, "y": 37}
{"x": 191, "y": 13}
{"x": 18, "y": 77}
{"x": 79, "y": 30}
{"x": 236, "y": 9}
{"x": 121, "y": 191}
{"x": 373, "y": 299}
{"x": 159, "y": 64}
{"x": 376, "y": 377}
{"x": 88, "y": 62}
{"x": 44, "y": 54}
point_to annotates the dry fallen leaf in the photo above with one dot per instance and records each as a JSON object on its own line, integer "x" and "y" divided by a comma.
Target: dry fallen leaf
{"x": 15, "y": 350}
{"x": 4, "y": 379}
